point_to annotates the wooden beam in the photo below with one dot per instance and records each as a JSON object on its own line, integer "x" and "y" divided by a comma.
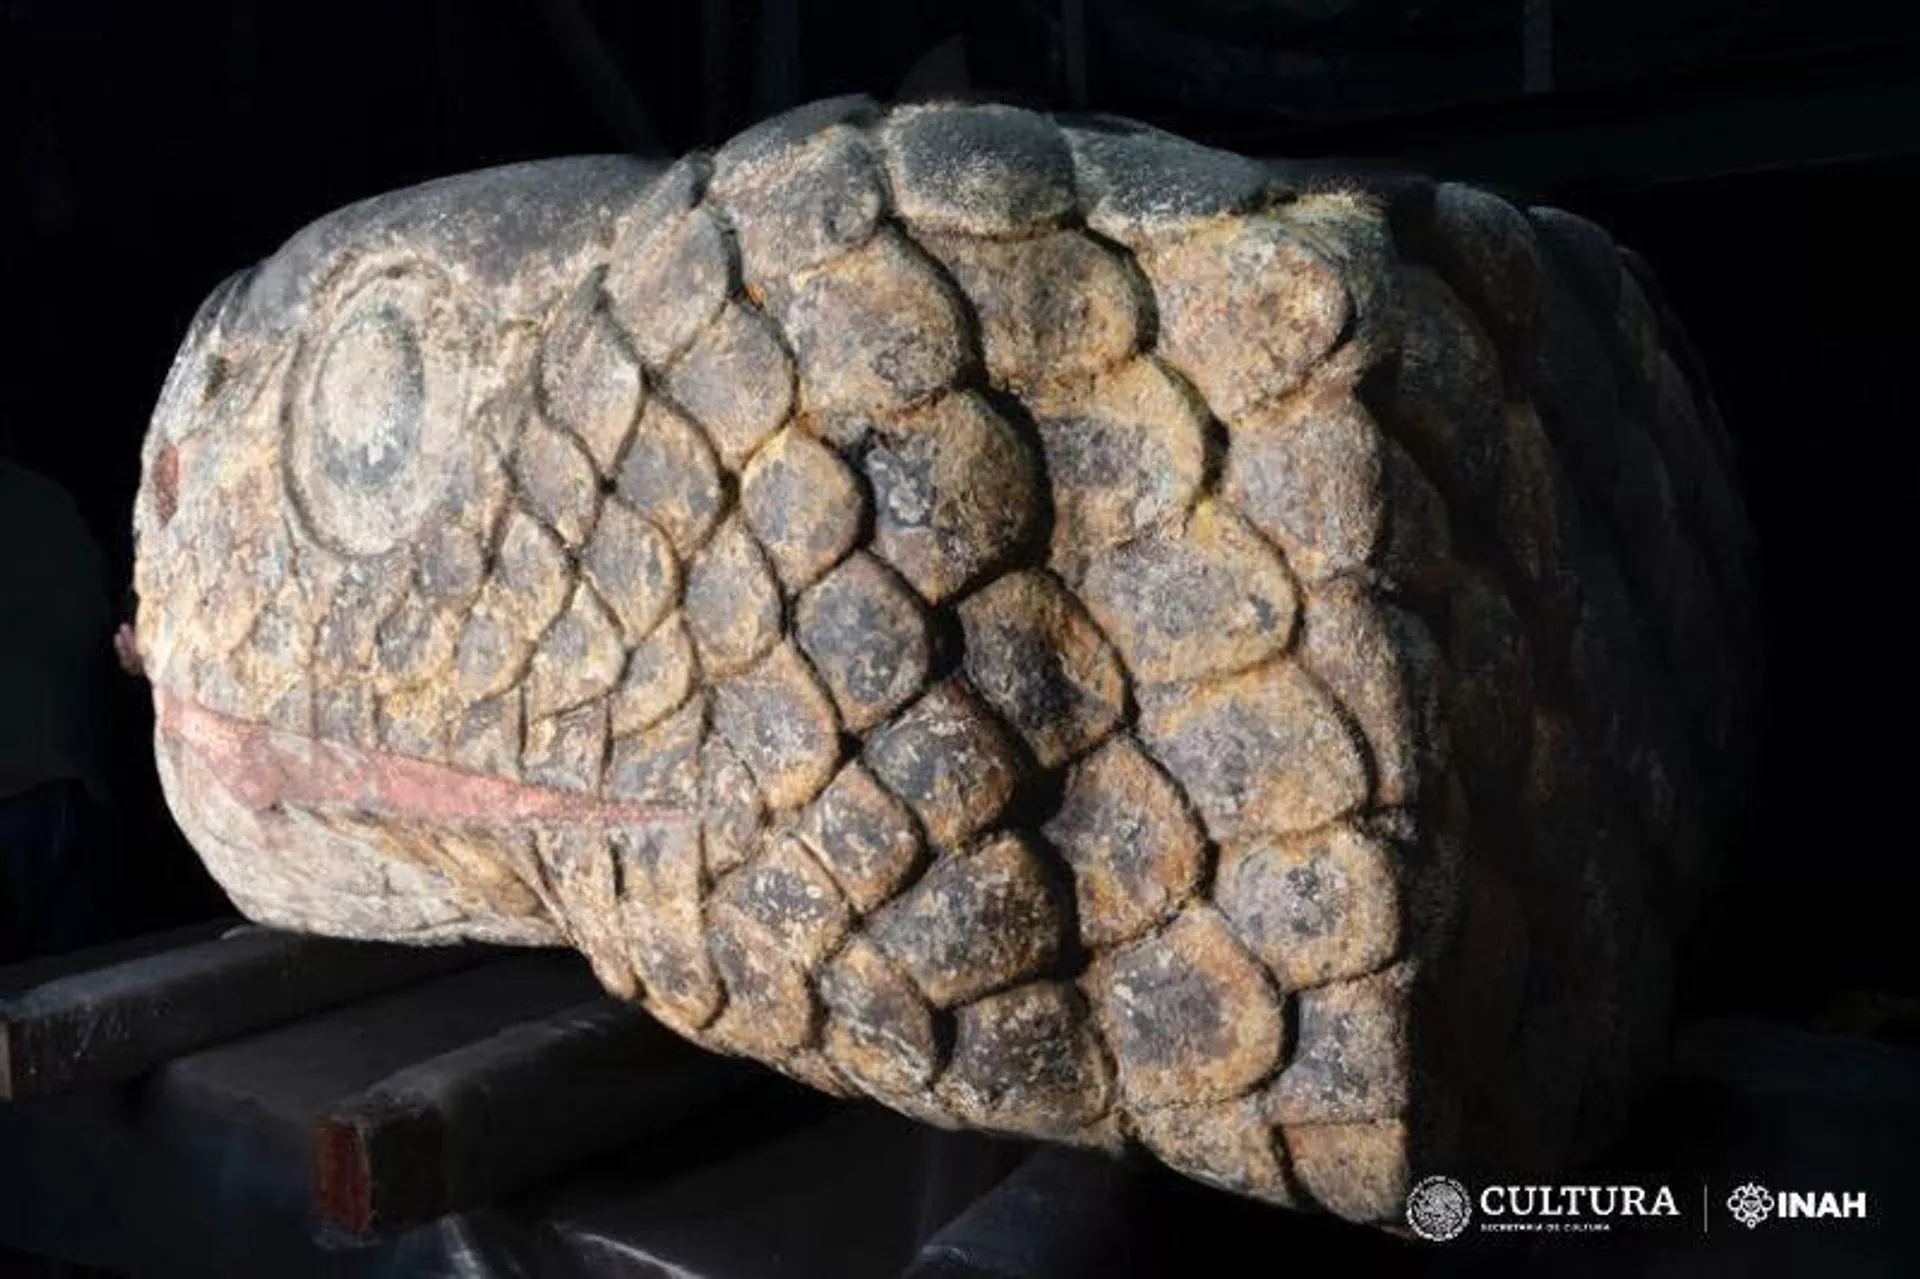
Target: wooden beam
{"x": 28, "y": 973}
{"x": 111, "y": 1022}
{"x": 485, "y": 1119}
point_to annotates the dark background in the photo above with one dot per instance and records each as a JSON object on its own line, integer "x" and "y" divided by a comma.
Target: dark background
{"x": 1762, "y": 156}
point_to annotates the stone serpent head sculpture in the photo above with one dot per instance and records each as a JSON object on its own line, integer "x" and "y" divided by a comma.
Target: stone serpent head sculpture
{"x": 1042, "y": 624}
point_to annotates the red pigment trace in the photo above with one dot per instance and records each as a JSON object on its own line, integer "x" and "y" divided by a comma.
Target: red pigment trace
{"x": 264, "y": 767}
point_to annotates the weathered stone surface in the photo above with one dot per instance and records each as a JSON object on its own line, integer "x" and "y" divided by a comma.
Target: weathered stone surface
{"x": 1701, "y": 482}
{"x": 366, "y": 592}
{"x": 1135, "y": 849}
{"x": 1210, "y": 600}
{"x": 658, "y": 679}
{"x": 1017, "y": 173}
{"x": 770, "y": 1009}
{"x": 412, "y": 721}
{"x": 973, "y": 923}
{"x": 1025, "y": 1060}
{"x": 1572, "y": 380}
{"x": 579, "y": 863}
{"x": 1382, "y": 665}
{"x": 879, "y": 1029}
{"x": 411, "y": 645}
{"x": 1446, "y": 394}
{"x": 1125, "y": 453}
{"x": 1489, "y": 251}
{"x": 805, "y": 506}
{"x": 1050, "y": 308}
{"x": 1346, "y": 227}
{"x": 1316, "y": 908}
{"x": 1261, "y": 753}
{"x": 733, "y": 812}
{"x": 1353, "y": 1057}
{"x": 1246, "y": 310}
{"x": 791, "y": 898}
{"x": 1628, "y": 727}
{"x": 1537, "y": 525}
{"x": 1484, "y": 967}
{"x": 803, "y": 203}
{"x": 527, "y": 590}
{"x": 867, "y": 839}
{"x": 1357, "y": 1171}
{"x": 669, "y": 281}
{"x": 453, "y": 564}
{"x": 593, "y": 385}
{"x": 1047, "y": 626}
{"x": 579, "y": 657}
{"x": 777, "y": 717}
{"x": 373, "y": 415}
{"x": 1417, "y": 559}
{"x": 664, "y": 886}
{"x": 487, "y": 738}
{"x": 735, "y": 381}
{"x": 813, "y": 1068}
{"x": 949, "y": 758}
{"x": 1309, "y": 476}
{"x": 732, "y": 602}
{"x": 567, "y": 750}
{"x": 1137, "y": 183}
{"x": 1490, "y": 695}
{"x": 1585, "y": 247}
{"x": 867, "y": 636}
{"x": 670, "y": 476}
{"x": 953, "y": 496}
{"x": 1191, "y": 1017}
{"x": 558, "y": 479}
{"x": 1226, "y": 1144}
{"x": 632, "y": 566}
{"x": 770, "y": 146}
{"x": 1041, "y": 663}
{"x": 877, "y": 330}
{"x": 661, "y": 765}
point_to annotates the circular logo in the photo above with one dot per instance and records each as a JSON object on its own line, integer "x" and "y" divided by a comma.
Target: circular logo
{"x": 1438, "y": 1209}
{"x": 1750, "y": 1205}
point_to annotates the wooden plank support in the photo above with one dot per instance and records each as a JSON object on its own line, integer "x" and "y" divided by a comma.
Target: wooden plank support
{"x": 485, "y": 1119}
{"x": 17, "y": 978}
{"x": 115, "y": 1021}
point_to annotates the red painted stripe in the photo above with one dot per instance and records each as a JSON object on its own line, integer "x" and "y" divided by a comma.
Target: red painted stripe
{"x": 264, "y": 766}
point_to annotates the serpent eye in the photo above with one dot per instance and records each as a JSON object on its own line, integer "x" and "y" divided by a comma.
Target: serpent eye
{"x": 375, "y": 407}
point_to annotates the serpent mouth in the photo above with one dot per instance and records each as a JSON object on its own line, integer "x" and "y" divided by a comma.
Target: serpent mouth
{"x": 265, "y": 769}
{"x": 337, "y": 839}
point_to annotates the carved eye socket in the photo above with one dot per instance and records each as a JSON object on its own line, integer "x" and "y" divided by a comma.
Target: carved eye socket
{"x": 376, "y": 405}
{"x": 368, "y": 394}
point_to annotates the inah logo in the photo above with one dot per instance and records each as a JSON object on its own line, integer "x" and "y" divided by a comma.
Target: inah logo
{"x": 1438, "y": 1209}
{"x": 1750, "y": 1205}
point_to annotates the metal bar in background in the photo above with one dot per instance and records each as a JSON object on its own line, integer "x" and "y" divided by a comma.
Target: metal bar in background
{"x": 472, "y": 1124}
{"x": 112, "y": 1022}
